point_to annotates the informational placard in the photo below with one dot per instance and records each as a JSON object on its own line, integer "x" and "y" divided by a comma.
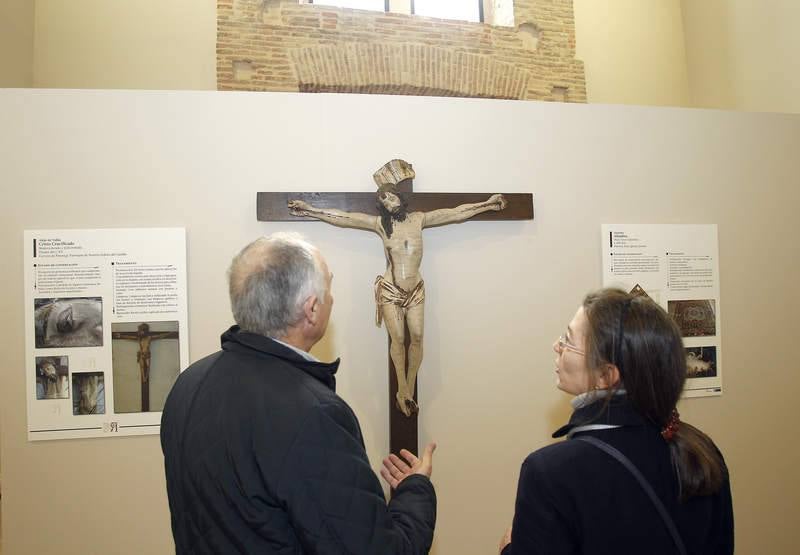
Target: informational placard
{"x": 105, "y": 329}
{"x": 678, "y": 267}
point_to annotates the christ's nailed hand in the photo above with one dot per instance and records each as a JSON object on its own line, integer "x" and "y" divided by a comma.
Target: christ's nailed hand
{"x": 499, "y": 201}
{"x": 299, "y": 208}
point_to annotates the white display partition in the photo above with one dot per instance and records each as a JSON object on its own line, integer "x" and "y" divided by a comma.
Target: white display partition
{"x": 498, "y": 294}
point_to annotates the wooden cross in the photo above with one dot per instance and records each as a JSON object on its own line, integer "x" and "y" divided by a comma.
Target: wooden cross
{"x": 144, "y": 336}
{"x": 272, "y": 207}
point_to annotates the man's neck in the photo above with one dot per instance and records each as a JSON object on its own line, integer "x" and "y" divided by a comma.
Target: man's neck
{"x": 302, "y": 352}
{"x": 297, "y": 340}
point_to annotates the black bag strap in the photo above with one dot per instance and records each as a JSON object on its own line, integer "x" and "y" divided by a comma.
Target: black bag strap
{"x": 626, "y": 462}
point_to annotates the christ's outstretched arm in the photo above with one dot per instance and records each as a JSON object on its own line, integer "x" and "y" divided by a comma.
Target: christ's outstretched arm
{"x": 355, "y": 220}
{"x": 445, "y": 216}
{"x": 164, "y": 335}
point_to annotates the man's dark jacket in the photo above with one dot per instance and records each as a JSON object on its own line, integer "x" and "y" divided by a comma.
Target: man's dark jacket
{"x": 262, "y": 456}
{"x": 575, "y": 499}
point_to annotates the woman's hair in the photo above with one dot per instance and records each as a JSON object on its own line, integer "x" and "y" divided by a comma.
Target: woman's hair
{"x": 644, "y": 343}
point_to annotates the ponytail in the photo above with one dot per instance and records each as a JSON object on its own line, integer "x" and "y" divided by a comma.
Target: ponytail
{"x": 697, "y": 461}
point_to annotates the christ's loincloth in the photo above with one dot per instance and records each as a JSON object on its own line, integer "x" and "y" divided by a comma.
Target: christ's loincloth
{"x": 387, "y": 292}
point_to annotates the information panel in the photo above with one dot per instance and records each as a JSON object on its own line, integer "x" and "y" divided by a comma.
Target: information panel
{"x": 105, "y": 329}
{"x": 678, "y": 267}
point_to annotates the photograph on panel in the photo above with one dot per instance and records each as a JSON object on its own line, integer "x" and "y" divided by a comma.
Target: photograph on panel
{"x": 52, "y": 377}
{"x": 73, "y": 322}
{"x": 88, "y": 393}
{"x": 701, "y": 362}
{"x": 146, "y": 362}
{"x": 695, "y": 318}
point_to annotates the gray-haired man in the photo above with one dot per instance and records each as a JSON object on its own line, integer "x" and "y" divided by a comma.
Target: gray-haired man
{"x": 261, "y": 455}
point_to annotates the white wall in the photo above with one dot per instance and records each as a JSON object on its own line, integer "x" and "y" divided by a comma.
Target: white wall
{"x": 743, "y": 55}
{"x": 498, "y": 292}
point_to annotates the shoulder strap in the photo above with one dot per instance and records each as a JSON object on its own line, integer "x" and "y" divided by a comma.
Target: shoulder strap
{"x": 626, "y": 462}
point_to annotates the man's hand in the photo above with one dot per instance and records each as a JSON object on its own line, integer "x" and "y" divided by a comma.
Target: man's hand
{"x": 299, "y": 208}
{"x": 499, "y": 202}
{"x": 506, "y": 539}
{"x": 395, "y": 470}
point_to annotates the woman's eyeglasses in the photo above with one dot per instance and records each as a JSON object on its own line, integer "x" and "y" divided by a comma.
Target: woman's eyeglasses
{"x": 563, "y": 344}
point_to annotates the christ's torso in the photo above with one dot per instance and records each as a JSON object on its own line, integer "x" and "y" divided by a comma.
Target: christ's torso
{"x": 404, "y": 251}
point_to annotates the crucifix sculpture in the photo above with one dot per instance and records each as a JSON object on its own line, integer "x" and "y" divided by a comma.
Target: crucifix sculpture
{"x": 398, "y": 216}
{"x": 145, "y": 337}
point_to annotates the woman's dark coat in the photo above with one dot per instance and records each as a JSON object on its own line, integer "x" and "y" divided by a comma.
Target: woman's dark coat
{"x": 573, "y": 498}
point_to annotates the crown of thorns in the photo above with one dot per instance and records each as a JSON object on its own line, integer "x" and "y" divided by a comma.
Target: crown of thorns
{"x": 391, "y": 173}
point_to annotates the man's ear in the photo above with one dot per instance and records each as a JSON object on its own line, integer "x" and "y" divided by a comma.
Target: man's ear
{"x": 311, "y": 309}
{"x": 609, "y": 377}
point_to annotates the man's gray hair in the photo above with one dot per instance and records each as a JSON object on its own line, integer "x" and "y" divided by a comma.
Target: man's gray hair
{"x": 270, "y": 279}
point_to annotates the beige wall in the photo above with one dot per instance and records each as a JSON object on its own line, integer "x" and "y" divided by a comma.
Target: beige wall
{"x": 16, "y": 68}
{"x": 633, "y": 51}
{"x": 146, "y": 44}
{"x": 732, "y": 54}
{"x": 498, "y": 292}
{"x": 743, "y": 55}
{"x": 16, "y": 43}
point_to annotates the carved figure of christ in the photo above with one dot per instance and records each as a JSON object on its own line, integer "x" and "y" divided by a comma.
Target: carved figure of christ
{"x": 400, "y": 291}
{"x": 403, "y": 251}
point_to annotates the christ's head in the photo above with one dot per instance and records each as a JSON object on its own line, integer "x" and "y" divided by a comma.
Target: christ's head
{"x": 392, "y": 206}
{"x": 391, "y": 201}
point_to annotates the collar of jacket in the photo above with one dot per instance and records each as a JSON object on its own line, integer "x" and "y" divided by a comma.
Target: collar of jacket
{"x": 246, "y": 342}
{"x": 617, "y": 412}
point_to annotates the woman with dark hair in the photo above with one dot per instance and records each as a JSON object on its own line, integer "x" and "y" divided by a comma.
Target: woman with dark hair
{"x": 632, "y": 477}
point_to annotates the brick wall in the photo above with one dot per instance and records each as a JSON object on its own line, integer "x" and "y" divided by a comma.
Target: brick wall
{"x": 280, "y": 45}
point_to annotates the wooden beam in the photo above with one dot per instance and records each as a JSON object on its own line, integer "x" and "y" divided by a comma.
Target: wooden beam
{"x": 272, "y": 207}
{"x": 403, "y": 430}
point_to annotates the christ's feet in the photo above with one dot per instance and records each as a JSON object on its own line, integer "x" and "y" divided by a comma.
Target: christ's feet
{"x": 400, "y": 403}
{"x": 405, "y": 404}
